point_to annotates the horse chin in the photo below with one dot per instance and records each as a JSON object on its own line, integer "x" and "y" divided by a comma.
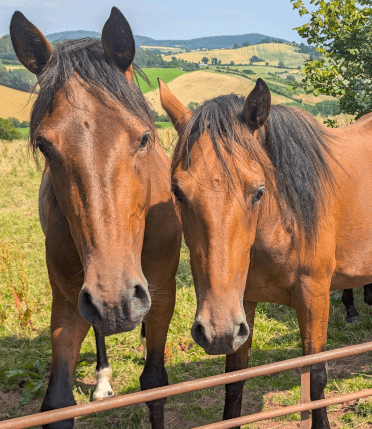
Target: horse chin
{"x": 108, "y": 329}
{"x": 220, "y": 351}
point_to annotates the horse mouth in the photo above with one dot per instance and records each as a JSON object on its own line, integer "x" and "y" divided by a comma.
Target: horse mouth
{"x": 116, "y": 327}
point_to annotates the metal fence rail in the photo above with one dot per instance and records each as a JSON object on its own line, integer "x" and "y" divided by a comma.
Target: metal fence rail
{"x": 216, "y": 380}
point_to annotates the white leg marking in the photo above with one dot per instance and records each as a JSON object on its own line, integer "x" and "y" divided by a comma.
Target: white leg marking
{"x": 103, "y": 389}
{"x": 249, "y": 352}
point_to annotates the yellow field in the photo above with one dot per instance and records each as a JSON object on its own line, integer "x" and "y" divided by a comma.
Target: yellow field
{"x": 15, "y": 104}
{"x": 270, "y": 52}
{"x": 14, "y": 67}
{"x": 201, "y": 85}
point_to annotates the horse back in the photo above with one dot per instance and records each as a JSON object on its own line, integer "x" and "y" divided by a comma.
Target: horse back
{"x": 353, "y": 204}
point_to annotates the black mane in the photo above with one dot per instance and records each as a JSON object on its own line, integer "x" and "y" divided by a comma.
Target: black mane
{"x": 292, "y": 150}
{"x": 86, "y": 58}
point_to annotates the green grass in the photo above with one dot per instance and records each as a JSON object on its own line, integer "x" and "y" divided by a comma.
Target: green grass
{"x": 276, "y": 335}
{"x": 24, "y": 131}
{"x": 164, "y": 125}
{"x": 165, "y": 74}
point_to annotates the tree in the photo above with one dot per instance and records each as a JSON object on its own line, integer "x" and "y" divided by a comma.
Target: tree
{"x": 255, "y": 59}
{"x": 192, "y": 105}
{"x": 232, "y": 63}
{"x": 236, "y": 46}
{"x": 15, "y": 122}
{"x": 205, "y": 60}
{"x": 281, "y": 64}
{"x": 7, "y": 131}
{"x": 248, "y": 71}
{"x": 342, "y": 33}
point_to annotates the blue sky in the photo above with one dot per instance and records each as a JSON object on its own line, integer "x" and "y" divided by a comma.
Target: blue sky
{"x": 161, "y": 19}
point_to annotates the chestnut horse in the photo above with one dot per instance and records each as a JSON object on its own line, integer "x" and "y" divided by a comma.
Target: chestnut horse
{"x": 274, "y": 208}
{"x": 112, "y": 232}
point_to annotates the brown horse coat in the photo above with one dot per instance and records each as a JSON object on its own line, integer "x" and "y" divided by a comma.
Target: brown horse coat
{"x": 112, "y": 232}
{"x": 275, "y": 208}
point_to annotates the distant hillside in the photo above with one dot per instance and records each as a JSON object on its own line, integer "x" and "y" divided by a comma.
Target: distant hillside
{"x": 213, "y": 42}
{"x": 69, "y": 35}
{"x": 268, "y": 52}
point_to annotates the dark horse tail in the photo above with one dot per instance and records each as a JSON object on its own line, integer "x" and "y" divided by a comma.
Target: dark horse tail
{"x": 143, "y": 331}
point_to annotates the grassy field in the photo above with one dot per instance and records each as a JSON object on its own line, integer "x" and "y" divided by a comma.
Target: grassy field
{"x": 166, "y": 75}
{"x": 276, "y": 335}
{"x": 24, "y": 132}
{"x": 203, "y": 85}
{"x": 14, "y": 103}
{"x": 270, "y": 52}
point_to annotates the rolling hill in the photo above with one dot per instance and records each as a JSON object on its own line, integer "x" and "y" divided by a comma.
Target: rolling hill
{"x": 212, "y": 42}
{"x": 200, "y": 86}
{"x": 69, "y": 35}
{"x": 270, "y": 52}
{"x": 14, "y": 103}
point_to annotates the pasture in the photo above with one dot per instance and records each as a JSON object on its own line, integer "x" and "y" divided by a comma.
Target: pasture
{"x": 269, "y": 52}
{"x": 199, "y": 86}
{"x": 14, "y": 103}
{"x": 166, "y": 75}
{"x": 276, "y": 335}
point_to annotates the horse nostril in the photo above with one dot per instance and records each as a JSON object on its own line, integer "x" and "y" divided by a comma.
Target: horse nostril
{"x": 87, "y": 298}
{"x": 141, "y": 302}
{"x": 140, "y": 293}
{"x": 243, "y": 330}
{"x": 240, "y": 334}
{"x": 87, "y": 307}
{"x": 200, "y": 334}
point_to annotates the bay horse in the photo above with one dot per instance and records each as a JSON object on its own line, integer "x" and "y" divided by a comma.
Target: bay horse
{"x": 275, "y": 208}
{"x": 113, "y": 235}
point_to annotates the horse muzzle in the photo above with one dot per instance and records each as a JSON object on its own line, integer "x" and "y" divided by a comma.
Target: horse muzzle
{"x": 131, "y": 307}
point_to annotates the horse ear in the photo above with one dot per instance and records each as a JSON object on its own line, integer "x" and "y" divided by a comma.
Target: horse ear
{"x": 178, "y": 113}
{"x": 31, "y": 47}
{"x": 257, "y": 106}
{"x": 118, "y": 42}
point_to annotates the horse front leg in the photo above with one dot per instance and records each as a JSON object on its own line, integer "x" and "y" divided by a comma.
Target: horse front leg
{"x": 103, "y": 370}
{"x": 68, "y": 331}
{"x": 235, "y": 362}
{"x": 368, "y": 294}
{"x": 348, "y": 301}
{"x": 156, "y": 327}
{"x": 312, "y": 309}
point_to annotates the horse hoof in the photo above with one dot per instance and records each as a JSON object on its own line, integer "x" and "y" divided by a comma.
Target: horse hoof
{"x": 104, "y": 389}
{"x": 100, "y": 396}
{"x": 352, "y": 319}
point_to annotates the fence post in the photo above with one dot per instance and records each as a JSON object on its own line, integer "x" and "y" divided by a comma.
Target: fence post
{"x": 305, "y": 396}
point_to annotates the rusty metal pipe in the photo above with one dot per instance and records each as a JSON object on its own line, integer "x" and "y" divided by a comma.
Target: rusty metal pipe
{"x": 176, "y": 389}
{"x": 266, "y": 415}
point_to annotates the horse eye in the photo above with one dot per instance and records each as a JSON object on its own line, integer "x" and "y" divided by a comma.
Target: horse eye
{"x": 144, "y": 141}
{"x": 44, "y": 151}
{"x": 176, "y": 191}
{"x": 256, "y": 198}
